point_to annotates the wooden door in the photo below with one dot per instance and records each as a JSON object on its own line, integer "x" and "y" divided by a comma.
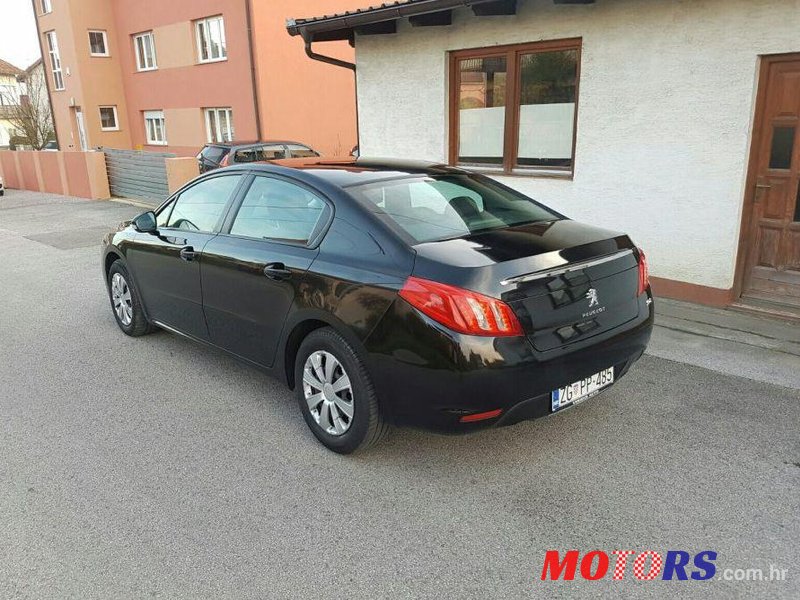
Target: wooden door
{"x": 774, "y": 254}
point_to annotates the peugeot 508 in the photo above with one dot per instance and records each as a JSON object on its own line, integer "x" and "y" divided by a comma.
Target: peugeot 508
{"x": 387, "y": 292}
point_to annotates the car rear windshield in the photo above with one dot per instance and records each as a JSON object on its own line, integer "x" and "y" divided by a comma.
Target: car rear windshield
{"x": 214, "y": 153}
{"x": 429, "y": 208}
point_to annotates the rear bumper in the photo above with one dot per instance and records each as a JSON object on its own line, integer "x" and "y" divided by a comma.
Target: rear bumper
{"x": 428, "y": 376}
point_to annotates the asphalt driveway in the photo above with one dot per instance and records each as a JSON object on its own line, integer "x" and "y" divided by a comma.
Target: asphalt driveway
{"x": 154, "y": 467}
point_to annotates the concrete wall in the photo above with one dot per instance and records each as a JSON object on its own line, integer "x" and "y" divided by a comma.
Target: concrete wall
{"x": 664, "y": 118}
{"x": 79, "y": 174}
{"x": 181, "y": 171}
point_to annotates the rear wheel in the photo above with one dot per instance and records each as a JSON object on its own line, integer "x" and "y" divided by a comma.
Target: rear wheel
{"x": 125, "y": 302}
{"x": 335, "y": 393}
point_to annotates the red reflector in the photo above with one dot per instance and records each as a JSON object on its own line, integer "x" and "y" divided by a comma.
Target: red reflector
{"x": 644, "y": 275}
{"x": 461, "y": 310}
{"x": 481, "y": 416}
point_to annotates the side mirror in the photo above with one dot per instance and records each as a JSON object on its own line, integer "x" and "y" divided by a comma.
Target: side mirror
{"x": 146, "y": 222}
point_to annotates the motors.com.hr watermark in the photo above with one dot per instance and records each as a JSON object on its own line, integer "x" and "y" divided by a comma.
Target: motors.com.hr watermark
{"x": 649, "y": 565}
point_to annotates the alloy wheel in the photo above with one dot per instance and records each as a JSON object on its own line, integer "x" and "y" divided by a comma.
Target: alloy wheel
{"x": 328, "y": 392}
{"x": 121, "y": 299}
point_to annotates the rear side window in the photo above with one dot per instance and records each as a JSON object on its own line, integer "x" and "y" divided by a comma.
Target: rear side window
{"x": 274, "y": 209}
{"x": 259, "y": 153}
{"x": 298, "y": 151}
{"x": 213, "y": 154}
{"x": 440, "y": 207}
{"x": 201, "y": 206}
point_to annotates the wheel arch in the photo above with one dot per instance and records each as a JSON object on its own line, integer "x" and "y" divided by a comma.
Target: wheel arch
{"x": 301, "y": 327}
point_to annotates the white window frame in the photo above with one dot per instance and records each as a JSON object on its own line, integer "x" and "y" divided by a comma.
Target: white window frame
{"x": 55, "y": 61}
{"x": 47, "y": 6}
{"x": 214, "y": 134}
{"x": 205, "y": 26}
{"x": 105, "y": 42}
{"x": 141, "y": 62}
{"x": 116, "y": 117}
{"x": 159, "y": 124}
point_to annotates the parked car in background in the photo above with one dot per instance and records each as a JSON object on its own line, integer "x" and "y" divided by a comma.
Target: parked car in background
{"x": 2, "y": 189}
{"x": 387, "y": 292}
{"x": 51, "y": 146}
{"x": 213, "y": 156}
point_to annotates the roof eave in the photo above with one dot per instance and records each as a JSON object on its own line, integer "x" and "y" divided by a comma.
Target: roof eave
{"x": 343, "y": 27}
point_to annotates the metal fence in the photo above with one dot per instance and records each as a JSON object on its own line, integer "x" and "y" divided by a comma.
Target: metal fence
{"x": 134, "y": 174}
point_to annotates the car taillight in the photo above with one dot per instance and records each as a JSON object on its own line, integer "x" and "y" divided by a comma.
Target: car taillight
{"x": 461, "y": 310}
{"x": 644, "y": 275}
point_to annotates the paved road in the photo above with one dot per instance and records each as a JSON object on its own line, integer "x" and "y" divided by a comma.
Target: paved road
{"x": 153, "y": 467}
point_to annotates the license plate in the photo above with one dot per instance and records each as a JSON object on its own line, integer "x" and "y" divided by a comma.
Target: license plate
{"x": 581, "y": 390}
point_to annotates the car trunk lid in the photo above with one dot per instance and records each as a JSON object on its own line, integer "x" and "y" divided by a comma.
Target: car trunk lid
{"x": 564, "y": 280}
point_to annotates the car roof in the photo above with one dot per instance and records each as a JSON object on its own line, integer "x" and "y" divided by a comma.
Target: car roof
{"x": 254, "y": 143}
{"x": 344, "y": 172}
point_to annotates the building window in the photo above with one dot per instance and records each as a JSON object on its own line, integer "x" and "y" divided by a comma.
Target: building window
{"x": 219, "y": 125}
{"x": 98, "y": 43}
{"x": 145, "y": 46}
{"x": 47, "y": 7}
{"x": 108, "y": 118}
{"x": 55, "y": 60}
{"x": 513, "y": 108}
{"x": 211, "y": 40}
{"x": 155, "y": 128}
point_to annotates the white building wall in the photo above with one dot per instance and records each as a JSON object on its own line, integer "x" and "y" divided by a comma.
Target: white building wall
{"x": 666, "y": 102}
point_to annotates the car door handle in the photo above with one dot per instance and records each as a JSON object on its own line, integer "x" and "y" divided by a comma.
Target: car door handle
{"x": 277, "y": 271}
{"x": 188, "y": 254}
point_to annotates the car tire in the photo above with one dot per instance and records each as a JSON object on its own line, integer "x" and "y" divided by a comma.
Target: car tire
{"x": 125, "y": 302}
{"x": 325, "y": 349}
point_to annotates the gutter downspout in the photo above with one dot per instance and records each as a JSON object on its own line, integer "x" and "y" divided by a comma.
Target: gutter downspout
{"x": 346, "y": 65}
{"x": 253, "y": 74}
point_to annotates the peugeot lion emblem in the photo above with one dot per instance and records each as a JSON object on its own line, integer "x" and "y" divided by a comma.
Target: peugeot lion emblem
{"x": 591, "y": 295}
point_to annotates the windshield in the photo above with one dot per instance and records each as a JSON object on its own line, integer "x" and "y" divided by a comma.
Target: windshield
{"x": 430, "y": 208}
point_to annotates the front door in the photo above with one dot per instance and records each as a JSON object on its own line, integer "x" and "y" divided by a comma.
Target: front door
{"x": 773, "y": 264}
{"x": 81, "y": 130}
{"x": 166, "y": 264}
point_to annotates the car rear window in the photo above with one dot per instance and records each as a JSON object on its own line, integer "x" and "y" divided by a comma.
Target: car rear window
{"x": 213, "y": 153}
{"x": 298, "y": 151}
{"x": 429, "y": 208}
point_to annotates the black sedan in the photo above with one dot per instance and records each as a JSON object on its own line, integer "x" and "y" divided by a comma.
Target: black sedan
{"x": 387, "y": 292}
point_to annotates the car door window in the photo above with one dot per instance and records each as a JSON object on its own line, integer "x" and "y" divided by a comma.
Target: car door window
{"x": 298, "y": 151}
{"x": 162, "y": 218}
{"x": 278, "y": 210}
{"x": 200, "y": 207}
{"x": 260, "y": 153}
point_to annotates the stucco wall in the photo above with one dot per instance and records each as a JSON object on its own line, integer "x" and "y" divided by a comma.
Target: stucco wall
{"x": 666, "y": 103}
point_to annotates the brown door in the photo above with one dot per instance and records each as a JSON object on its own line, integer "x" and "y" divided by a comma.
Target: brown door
{"x": 773, "y": 263}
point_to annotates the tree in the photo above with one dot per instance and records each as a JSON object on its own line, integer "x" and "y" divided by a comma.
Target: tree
{"x": 31, "y": 115}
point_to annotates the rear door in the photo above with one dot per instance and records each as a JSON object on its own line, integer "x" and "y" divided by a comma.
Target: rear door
{"x": 252, "y": 271}
{"x": 166, "y": 264}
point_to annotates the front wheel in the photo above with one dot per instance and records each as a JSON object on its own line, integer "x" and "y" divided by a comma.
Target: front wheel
{"x": 125, "y": 302}
{"x": 336, "y": 395}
